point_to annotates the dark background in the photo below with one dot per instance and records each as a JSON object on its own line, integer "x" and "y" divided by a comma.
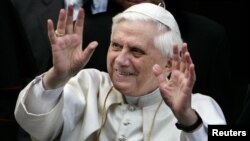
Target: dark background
{"x": 234, "y": 16}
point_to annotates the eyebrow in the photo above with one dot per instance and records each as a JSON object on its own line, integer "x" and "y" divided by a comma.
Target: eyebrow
{"x": 133, "y": 47}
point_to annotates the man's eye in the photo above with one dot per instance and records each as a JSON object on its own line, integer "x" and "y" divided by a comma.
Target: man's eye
{"x": 116, "y": 46}
{"x": 137, "y": 52}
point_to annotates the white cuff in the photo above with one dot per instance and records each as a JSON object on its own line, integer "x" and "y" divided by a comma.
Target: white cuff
{"x": 200, "y": 134}
{"x": 38, "y": 100}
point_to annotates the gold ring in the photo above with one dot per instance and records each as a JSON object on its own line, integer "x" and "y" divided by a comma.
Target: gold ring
{"x": 59, "y": 34}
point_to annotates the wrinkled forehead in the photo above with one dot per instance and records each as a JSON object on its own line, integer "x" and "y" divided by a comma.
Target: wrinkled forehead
{"x": 137, "y": 30}
{"x": 143, "y": 30}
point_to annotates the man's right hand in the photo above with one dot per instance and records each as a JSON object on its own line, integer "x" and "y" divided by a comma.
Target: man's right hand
{"x": 66, "y": 43}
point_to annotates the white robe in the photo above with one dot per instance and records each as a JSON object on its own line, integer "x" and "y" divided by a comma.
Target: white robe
{"x": 77, "y": 111}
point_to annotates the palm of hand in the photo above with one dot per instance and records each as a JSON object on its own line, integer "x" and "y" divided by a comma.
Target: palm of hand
{"x": 176, "y": 92}
{"x": 67, "y": 54}
{"x": 66, "y": 42}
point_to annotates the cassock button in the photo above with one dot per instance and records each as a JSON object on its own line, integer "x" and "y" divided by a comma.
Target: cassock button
{"x": 122, "y": 138}
{"x": 131, "y": 108}
{"x": 126, "y": 123}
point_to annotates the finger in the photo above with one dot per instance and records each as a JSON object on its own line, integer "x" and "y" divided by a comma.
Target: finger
{"x": 158, "y": 72}
{"x": 79, "y": 22}
{"x": 182, "y": 66}
{"x": 88, "y": 52}
{"x": 190, "y": 71}
{"x": 192, "y": 76}
{"x": 184, "y": 48}
{"x": 188, "y": 59}
{"x": 176, "y": 58}
{"x": 61, "y": 22}
{"x": 183, "y": 62}
{"x": 51, "y": 32}
{"x": 69, "y": 20}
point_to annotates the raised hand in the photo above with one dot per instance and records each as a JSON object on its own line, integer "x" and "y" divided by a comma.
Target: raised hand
{"x": 177, "y": 90}
{"x": 66, "y": 43}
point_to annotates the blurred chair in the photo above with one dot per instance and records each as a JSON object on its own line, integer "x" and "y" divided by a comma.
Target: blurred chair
{"x": 244, "y": 118}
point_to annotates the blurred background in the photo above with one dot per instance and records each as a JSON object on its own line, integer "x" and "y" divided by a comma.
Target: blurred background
{"x": 234, "y": 16}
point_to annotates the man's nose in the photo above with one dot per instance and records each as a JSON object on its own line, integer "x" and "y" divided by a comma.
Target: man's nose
{"x": 123, "y": 58}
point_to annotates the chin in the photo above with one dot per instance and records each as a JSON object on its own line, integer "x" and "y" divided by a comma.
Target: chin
{"x": 123, "y": 88}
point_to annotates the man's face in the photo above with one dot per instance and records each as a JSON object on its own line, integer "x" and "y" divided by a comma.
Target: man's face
{"x": 127, "y": 3}
{"x": 131, "y": 56}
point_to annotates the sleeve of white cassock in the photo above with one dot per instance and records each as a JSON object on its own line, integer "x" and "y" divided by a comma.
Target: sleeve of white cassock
{"x": 39, "y": 111}
{"x": 210, "y": 113}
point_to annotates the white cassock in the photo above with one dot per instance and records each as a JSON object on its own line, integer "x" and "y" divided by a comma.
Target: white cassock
{"x": 88, "y": 107}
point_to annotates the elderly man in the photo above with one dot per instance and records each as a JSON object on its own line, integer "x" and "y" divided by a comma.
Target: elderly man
{"x": 146, "y": 94}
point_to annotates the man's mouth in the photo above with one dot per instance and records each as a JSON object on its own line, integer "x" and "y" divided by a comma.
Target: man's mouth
{"x": 125, "y": 73}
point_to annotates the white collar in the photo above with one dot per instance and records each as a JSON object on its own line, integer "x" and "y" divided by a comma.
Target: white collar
{"x": 146, "y": 100}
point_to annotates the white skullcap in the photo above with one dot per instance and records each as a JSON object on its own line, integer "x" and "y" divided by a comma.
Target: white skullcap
{"x": 157, "y": 13}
